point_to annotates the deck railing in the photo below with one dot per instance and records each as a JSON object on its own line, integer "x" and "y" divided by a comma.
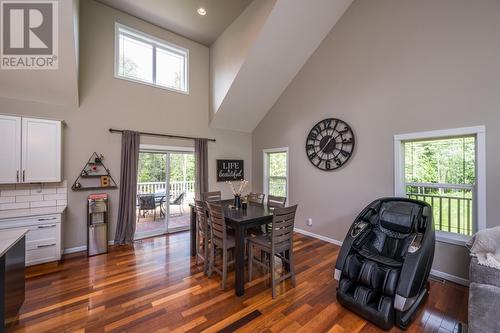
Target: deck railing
{"x": 453, "y": 205}
{"x": 175, "y": 189}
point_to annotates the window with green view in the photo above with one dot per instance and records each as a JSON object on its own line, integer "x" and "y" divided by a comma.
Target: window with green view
{"x": 442, "y": 172}
{"x": 277, "y": 171}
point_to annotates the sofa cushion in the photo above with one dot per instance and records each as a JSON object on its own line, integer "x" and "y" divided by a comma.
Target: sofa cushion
{"x": 484, "y": 308}
{"x": 483, "y": 274}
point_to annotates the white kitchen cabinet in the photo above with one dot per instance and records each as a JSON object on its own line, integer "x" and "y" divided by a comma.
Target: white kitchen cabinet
{"x": 30, "y": 150}
{"x": 41, "y": 150}
{"x": 44, "y": 237}
{"x": 10, "y": 149}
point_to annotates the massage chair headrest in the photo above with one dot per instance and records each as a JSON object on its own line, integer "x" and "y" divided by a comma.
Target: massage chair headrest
{"x": 399, "y": 216}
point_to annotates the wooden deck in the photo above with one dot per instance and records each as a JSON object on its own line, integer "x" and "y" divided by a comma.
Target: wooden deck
{"x": 155, "y": 286}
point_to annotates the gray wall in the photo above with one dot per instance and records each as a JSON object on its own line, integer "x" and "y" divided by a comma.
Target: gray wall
{"x": 109, "y": 102}
{"x": 389, "y": 67}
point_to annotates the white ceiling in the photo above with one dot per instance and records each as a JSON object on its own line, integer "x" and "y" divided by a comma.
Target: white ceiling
{"x": 180, "y": 16}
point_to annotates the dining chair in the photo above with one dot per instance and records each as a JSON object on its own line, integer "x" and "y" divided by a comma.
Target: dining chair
{"x": 277, "y": 244}
{"x": 219, "y": 240}
{"x": 275, "y": 201}
{"x": 257, "y": 198}
{"x": 202, "y": 234}
{"x": 214, "y": 196}
{"x": 147, "y": 202}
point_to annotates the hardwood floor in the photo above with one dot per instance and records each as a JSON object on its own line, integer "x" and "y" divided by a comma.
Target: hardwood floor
{"x": 155, "y": 286}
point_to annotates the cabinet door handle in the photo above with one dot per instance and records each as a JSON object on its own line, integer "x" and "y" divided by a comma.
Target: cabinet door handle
{"x": 24, "y": 174}
{"x": 46, "y": 226}
{"x": 17, "y": 176}
{"x": 47, "y": 219}
{"x": 47, "y": 245}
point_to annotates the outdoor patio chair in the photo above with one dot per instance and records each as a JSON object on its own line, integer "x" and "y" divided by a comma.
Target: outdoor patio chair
{"x": 179, "y": 201}
{"x": 147, "y": 202}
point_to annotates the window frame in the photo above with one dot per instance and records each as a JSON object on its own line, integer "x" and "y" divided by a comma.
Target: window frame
{"x": 265, "y": 159}
{"x": 155, "y": 43}
{"x": 480, "y": 187}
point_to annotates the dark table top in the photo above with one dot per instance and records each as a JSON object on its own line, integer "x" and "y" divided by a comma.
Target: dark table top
{"x": 253, "y": 213}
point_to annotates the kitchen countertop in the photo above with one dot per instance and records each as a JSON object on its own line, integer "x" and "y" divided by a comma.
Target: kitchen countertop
{"x": 9, "y": 238}
{"x": 13, "y": 213}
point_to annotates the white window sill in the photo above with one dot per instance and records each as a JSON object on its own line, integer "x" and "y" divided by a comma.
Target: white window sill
{"x": 451, "y": 238}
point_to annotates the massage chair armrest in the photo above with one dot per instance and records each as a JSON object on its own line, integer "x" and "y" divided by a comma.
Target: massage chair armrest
{"x": 416, "y": 267}
{"x": 352, "y": 238}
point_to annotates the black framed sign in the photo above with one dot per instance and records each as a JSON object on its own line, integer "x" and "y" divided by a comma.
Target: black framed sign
{"x": 228, "y": 170}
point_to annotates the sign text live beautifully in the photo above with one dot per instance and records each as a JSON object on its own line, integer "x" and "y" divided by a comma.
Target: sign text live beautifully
{"x": 229, "y": 170}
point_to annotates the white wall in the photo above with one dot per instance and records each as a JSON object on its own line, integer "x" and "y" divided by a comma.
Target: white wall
{"x": 109, "y": 102}
{"x": 389, "y": 67}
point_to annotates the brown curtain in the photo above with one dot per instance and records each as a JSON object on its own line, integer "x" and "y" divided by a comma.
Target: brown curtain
{"x": 201, "y": 170}
{"x": 125, "y": 227}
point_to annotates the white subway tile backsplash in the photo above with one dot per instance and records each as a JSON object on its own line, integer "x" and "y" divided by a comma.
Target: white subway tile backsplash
{"x": 61, "y": 196}
{"x": 11, "y": 193}
{"x": 7, "y": 200}
{"x": 48, "y": 203}
{"x": 28, "y": 198}
{"x": 21, "y": 196}
{"x": 17, "y": 205}
{"x": 62, "y": 202}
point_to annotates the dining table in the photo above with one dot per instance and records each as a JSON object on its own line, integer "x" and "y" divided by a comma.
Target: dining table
{"x": 240, "y": 220}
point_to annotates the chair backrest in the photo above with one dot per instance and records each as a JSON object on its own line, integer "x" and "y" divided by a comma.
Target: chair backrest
{"x": 211, "y": 196}
{"x": 276, "y": 202}
{"x": 217, "y": 223}
{"x": 282, "y": 229}
{"x": 257, "y": 198}
{"x": 201, "y": 216}
{"x": 147, "y": 201}
{"x": 179, "y": 199}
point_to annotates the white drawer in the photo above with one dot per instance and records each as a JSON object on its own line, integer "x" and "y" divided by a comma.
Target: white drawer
{"x": 45, "y": 231}
{"x": 42, "y": 254}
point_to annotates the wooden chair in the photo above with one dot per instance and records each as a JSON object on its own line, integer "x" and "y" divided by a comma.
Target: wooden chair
{"x": 257, "y": 198}
{"x": 202, "y": 234}
{"x": 273, "y": 202}
{"x": 211, "y": 196}
{"x": 276, "y": 202}
{"x": 219, "y": 240}
{"x": 278, "y": 244}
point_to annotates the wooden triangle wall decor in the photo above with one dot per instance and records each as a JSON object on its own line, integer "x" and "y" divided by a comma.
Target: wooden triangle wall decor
{"x": 94, "y": 176}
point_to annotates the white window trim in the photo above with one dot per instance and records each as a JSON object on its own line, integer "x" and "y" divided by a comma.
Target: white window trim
{"x": 157, "y": 42}
{"x": 265, "y": 159}
{"x": 164, "y": 149}
{"x": 399, "y": 183}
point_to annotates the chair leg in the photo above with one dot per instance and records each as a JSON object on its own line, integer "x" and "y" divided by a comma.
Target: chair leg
{"x": 224, "y": 269}
{"x": 197, "y": 242}
{"x": 273, "y": 281}
{"x": 205, "y": 247}
{"x": 291, "y": 264}
{"x": 250, "y": 261}
{"x": 211, "y": 261}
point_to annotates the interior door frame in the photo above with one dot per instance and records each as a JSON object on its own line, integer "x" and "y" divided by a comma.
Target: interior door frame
{"x": 163, "y": 149}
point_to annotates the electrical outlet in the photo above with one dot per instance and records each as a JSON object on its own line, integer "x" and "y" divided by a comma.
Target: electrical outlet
{"x": 309, "y": 221}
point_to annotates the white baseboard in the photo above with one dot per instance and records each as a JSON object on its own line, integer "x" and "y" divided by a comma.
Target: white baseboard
{"x": 81, "y": 248}
{"x": 323, "y": 238}
{"x": 436, "y": 273}
{"x": 449, "y": 277}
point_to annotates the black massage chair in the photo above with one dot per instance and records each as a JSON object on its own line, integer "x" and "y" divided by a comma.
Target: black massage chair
{"x": 385, "y": 261}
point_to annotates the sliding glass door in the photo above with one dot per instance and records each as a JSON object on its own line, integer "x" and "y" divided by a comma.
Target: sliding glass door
{"x": 165, "y": 187}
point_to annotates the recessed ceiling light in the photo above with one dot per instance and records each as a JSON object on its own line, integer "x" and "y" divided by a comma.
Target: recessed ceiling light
{"x": 202, "y": 11}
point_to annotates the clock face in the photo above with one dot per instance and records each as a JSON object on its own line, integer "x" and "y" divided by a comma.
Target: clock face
{"x": 330, "y": 144}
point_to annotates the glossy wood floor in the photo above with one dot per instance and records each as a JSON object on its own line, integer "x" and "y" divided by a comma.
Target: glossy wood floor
{"x": 156, "y": 287}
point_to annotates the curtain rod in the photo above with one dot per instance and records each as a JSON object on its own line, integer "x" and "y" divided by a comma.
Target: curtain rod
{"x": 112, "y": 130}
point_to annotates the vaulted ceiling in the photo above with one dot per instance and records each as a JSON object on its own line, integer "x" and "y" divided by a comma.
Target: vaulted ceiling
{"x": 181, "y": 17}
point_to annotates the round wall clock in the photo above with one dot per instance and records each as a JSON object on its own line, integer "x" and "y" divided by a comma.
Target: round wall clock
{"x": 330, "y": 144}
